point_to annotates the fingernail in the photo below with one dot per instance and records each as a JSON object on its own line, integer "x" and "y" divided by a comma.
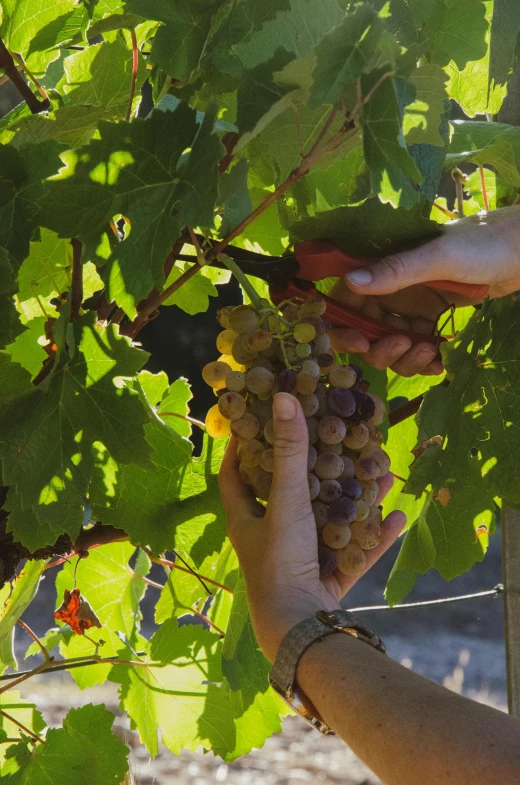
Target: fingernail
{"x": 360, "y": 277}
{"x": 400, "y": 346}
{"x": 426, "y": 355}
{"x": 284, "y": 406}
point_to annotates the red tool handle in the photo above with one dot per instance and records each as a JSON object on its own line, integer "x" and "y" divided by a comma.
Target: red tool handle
{"x": 319, "y": 259}
{"x": 340, "y": 315}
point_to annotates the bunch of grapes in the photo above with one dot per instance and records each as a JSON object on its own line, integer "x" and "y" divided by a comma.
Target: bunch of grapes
{"x": 268, "y": 351}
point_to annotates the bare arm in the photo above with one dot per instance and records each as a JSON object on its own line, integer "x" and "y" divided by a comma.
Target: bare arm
{"x": 407, "y": 729}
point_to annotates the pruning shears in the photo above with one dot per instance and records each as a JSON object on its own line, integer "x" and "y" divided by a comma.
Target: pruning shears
{"x": 292, "y": 276}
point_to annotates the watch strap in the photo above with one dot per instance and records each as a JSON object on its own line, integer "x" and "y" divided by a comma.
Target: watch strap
{"x": 309, "y": 631}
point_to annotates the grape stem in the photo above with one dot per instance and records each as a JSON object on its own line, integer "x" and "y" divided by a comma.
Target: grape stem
{"x": 191, "y": 420}
{"x": 35, "y": 638}
{"x": 22, "y": 727}
{"x": 246, "y": 285}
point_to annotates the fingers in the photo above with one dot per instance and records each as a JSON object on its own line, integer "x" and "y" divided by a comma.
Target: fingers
{"x": 387, "y": 351}
{"x": 290, "y": 489}
{"x": 417, "y": 360}
{"x": 237, "y": 498}
{"x": 385, "y": 483}
{"x": 399, "y": 271}
{"x": 346, "y": 340}
{"x": 391, "y": 528}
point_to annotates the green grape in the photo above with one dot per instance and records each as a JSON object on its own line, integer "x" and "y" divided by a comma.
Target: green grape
{"x": 216, "y": 425}
{"x": 259, "y": 340}
{"x": 380, "y": 456}
{"x": 311, "y": 367}
{"x": 335, "y": 535}
{"x": 247, "y": 427}
{"x": 262, "y": 484}
{"x": 223, "y": 315}
{"x": 312, "y": 457}
{"x": 304, "y": 332}
{"x": 250, "y": 453}
{"x": 351, "y": 560}
{"x": 215, "y": 374}
{"x": 303, "y": 350}
{"x": 235, "y": 381}
{"x": 243, "y": 319}
{"x": 225, "y": 341}
{"x": 330, "y": 490}
{"x": 269, "y": 432}
{"x": 309, "y": 404}
{"x": 367, "y": 469}
{"x": 366, "y": 533}
{"x": 322, "y": 345}
{"x": 337, "y": 449}
{"x": 380, "y": 410}
{"x": 331, "y": 430}
{"x": 321, "y": 514}
{"x": 305, "y": 383}
{"x": 267, "y": 460}
{"x": 328, "y": 466}
{"x": 312, "y": 429}
{"x": 314, "y": 304}
{"x": 232, "y": 406}
{"x": 356, "y": 437}
{"x": 259, "y": 381}
{"x": 240, "y": 353}
{"x": 348, "y": 469}
{"x": 362, "y": 510}
{"x": 342, "y": 376}
{"x": 290, "y": 312}
{"x": 314, "y": 486}
{"x": 370, "y": 493}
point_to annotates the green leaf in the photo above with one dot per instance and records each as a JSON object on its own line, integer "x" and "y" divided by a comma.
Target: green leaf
{"x": 258, "y": 91}
{"x": 22, "y": 191}
{"x": 372, "y": 229}
{"x": 85, "y": 750}
{"x": 505, "y": 27}
{"x": 342, "y": 56}
{"x": 470, "y": 87}
{"x": 246, "y": 669}
{"x": 234, "y": 197}
{"x": 179, "y": 43}
{"x": 182, "y": 697}
{"x": 30, "y": 28}
{"x": 10, "y": 325}
{"x": 462, "y": 35}
{"x": 424, "y": 115}
{"x": 393, "y": 171}
{"x": 298, "y": 27}
{"x": 133, "y": 169}
{"x": 193, "y": 296}
{"x": 45, "y": 273}
{"x": 175, "y": 400}
{"x": 26, "y": 713}
{"x": 153, "y": 385}
{"x": 48, "y": 432}
{"x": 50, "y": 640}
{"x": 13, "y": 602}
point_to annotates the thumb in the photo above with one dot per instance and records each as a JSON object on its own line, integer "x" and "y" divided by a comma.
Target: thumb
{"x": 400, "y": 271}
{"x": 290, "y": 487}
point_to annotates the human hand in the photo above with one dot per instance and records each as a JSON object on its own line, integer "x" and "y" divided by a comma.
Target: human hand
{"x": 277, "y": 548}
{"x": 483, "y": 248}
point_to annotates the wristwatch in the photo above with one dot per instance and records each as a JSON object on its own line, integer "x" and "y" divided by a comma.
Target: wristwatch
{"x": 298, "y": 640}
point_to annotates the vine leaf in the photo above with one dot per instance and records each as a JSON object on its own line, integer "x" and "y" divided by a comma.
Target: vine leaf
{"x": 256, "y": 706}
{"x": 182, "y": 697}
{"x": 461, "y": 36}
{"x": 424, "y": 115}
{"x": 48, "y": 431}
{"x": 179, "y": 43}
{"x": 10, "y": 325}
{"x": 13, "y": 603}
{"x": 27, "y": 714}
{"x": 84, "y": 750}
{"x": 505, "y": 27}
{"x": 342, "y": 56}
{"x": 22, "y": 190}
{"x": 136, "y": 169}
{"x": 393, "y": 171}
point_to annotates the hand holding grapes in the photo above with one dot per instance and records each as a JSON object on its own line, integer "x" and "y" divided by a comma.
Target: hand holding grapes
{"x": 278, "y": 547}
{"x": 482, "y": 248}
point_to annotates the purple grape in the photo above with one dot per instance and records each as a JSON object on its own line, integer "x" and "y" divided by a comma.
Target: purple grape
{"x": 341, "y": 402}
{"x": 287, "y": 381}
{"x": 359, "y": 372}
{"x": 328, "y": 560}
{"x": 351, "y": 488}
{"x": 365, "y": 406}
{"x": 342, "y": 510}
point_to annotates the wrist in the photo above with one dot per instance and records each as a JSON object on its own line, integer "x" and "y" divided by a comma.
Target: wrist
{"x": 272, "y": 620}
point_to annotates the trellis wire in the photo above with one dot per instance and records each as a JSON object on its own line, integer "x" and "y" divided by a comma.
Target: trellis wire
{"x": 496, "y": 591}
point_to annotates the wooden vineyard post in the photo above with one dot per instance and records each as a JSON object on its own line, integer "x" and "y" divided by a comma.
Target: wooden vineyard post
{"x": 510, "y": 113}
{"x": 511, "y": 581}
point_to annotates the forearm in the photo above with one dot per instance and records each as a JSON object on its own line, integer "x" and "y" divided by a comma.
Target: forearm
{"x": 407, "y": 729}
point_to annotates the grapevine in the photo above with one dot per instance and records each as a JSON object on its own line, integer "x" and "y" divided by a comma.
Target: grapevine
{"x": 141, "y": 145}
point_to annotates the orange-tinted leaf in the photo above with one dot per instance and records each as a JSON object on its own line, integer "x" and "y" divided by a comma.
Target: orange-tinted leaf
{"x": 76, "y": 612}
